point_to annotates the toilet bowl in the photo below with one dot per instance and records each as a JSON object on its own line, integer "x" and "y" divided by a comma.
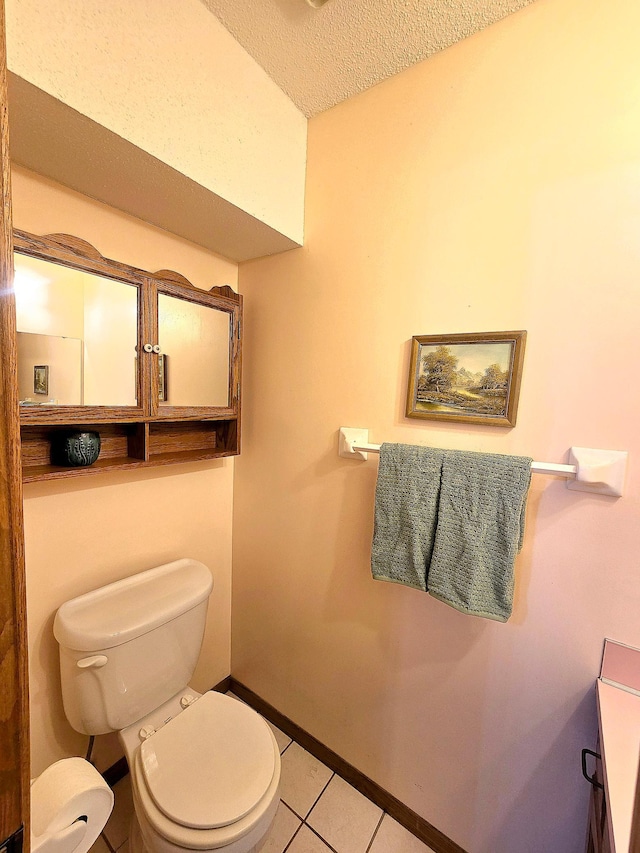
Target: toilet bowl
{"x": 205, "y": 769}
{"x": 207, "y": 779}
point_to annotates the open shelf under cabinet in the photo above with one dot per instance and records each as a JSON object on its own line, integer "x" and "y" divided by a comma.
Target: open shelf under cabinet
{"x": 127, "y": 446}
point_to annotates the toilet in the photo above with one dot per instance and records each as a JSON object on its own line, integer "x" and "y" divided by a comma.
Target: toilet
{"x": 205, "y": 768}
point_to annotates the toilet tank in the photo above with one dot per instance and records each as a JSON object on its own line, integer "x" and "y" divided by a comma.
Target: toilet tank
{"x": 130, "y": 646}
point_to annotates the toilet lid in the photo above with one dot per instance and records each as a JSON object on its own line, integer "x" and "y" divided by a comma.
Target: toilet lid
{"x": 210, "y": 765}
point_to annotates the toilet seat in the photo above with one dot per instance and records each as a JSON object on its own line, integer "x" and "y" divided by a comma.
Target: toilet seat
{"x": 210, "y": 765}
{"x": 182, "y": 771}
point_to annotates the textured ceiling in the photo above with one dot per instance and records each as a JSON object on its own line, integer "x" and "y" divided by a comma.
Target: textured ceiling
{"x": 319, "y": 57}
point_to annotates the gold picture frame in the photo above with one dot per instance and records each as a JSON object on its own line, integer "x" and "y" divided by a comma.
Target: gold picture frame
{"x": 41, "y": 379}
{"x": 163, "y": 377}
{"x": 471, "y": 378}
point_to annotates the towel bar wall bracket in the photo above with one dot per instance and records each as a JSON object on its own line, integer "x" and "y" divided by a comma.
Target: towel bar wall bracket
{"x": 599, "y": 471}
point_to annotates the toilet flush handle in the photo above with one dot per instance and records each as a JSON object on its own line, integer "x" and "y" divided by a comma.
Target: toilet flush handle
{"x": 94, "y": 662}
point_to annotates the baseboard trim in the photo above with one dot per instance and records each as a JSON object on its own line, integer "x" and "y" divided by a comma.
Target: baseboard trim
{"x": 224, "y": 685}
{"x": 417, "y": 825}
{"x": 116, "y": 772}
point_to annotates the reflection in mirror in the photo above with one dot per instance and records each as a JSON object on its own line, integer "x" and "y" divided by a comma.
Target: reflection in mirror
{"x": 55, "y": 304}
{"x": 194, "y": 340}
{"x": 49, "y": 370}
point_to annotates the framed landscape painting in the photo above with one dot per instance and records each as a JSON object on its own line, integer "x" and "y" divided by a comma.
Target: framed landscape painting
{"x": 41, "y": 379}
{"x": 469, "y": 378}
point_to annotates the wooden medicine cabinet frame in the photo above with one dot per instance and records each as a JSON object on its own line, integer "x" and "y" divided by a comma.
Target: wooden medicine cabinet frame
{"x": 147, "y": 433}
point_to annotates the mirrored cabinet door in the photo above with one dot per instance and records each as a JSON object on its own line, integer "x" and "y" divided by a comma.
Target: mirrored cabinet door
{"x": 80, "y": 323}
{"x": 195, "y": 353}
{"x": 197, "y": 372}
{"x": 77, "y": 336}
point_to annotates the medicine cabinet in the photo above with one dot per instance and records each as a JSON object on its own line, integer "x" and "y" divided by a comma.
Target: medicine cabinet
{"x": 149, "y": 361}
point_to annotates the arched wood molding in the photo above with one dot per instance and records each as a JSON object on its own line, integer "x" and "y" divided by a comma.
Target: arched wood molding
{"x": 76, "y": 245}
{"x": 177, "y": 278}
{"x": 66, "y": 248}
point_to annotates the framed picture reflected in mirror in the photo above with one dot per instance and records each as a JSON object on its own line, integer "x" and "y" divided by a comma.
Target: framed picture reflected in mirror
{"x": 163, "y": 388}
{"x": 41, "y": 379}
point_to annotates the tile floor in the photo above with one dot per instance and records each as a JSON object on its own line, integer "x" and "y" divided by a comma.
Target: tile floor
{"x": 319, "y": 813}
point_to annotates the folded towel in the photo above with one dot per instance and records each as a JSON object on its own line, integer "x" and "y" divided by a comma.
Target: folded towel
{"x": 406, "y": 511}
{"x": 479, "y": 532}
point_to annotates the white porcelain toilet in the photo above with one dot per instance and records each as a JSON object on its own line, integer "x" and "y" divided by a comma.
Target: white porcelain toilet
{"x": 205, "y": 769}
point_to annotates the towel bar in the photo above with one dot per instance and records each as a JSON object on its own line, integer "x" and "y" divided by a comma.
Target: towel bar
{"x": 598, "y": 471}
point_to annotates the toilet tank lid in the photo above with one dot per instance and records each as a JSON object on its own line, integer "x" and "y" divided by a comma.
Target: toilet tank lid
{"x": 128, "y": 608}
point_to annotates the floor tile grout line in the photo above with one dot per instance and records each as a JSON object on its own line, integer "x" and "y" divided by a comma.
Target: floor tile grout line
{"x": 304, "y": 817}
{"x": 110, "y": 846}
{"x": 317, "y": 835}
{"x": 375, "y": 831}
{"x": 286, "y": 748}
{"x": 322, "y": 838}
{"x": 294, "y": 834}
{"x": 287, "y": 806}
{"x": 297, "y": 816}
{"x": 315, "y": 803}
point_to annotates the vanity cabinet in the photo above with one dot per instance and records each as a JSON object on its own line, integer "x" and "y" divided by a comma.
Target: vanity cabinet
{"x": 597, "y": 832}
{"x": 614, "y": 808}
{"x": 147, "y": 360}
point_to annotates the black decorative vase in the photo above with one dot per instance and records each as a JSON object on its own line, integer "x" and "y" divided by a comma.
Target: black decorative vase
{"x": 76, "y": 449}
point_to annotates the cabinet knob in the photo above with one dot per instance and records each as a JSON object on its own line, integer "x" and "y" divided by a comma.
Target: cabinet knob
{"x": 157, "y": 349}
{"x": 148, "y": 347}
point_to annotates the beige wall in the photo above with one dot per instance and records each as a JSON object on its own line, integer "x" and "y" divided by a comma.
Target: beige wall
{"x": 166, "y": 76}
{"x": 83, "y": 533}
{"x": 195, "y": 339}
{"x": 495, "y": 186}
{"x": 63, "y": 357}
{"x": 110, "y": 342}
{"x": 49, "y": 298}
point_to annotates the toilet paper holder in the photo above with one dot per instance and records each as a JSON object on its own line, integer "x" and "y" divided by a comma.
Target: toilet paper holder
{"x": 70, "y": 805}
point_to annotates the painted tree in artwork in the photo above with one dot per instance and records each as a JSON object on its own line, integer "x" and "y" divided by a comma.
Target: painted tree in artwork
{"x": 494, "y": 377}
{"x": 439, "y": 367}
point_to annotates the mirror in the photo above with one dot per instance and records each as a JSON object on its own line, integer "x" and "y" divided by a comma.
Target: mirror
{"x": 49, "y": 370}
{"x": 77, "y": 336}
{"x": 195, "y": 362}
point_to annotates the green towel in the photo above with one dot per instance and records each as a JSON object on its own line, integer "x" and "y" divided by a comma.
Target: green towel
{"x": 479, "y": 532}
{"x": 406, "y": 511}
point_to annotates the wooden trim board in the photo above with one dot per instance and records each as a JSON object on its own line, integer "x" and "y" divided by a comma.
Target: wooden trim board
{"x": 224, "y": 685}
{"x": 14, "y": 712}
{"x": 112, "y": 775}
{"x": 417, "y": 825}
